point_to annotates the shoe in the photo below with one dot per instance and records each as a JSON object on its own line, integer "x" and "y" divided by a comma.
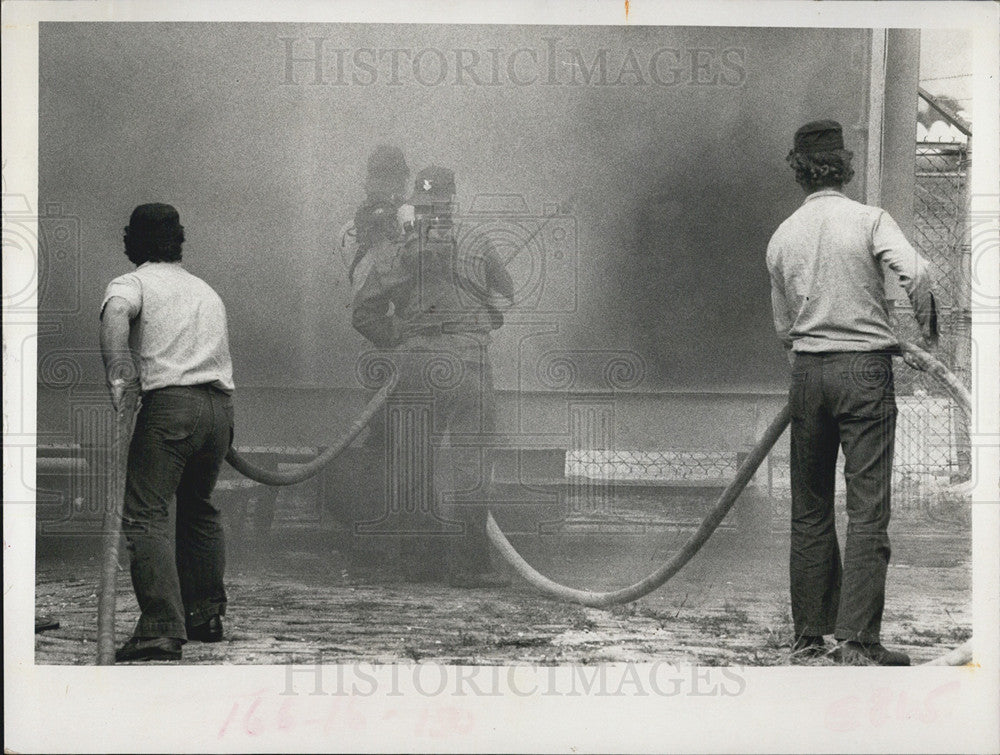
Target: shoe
{"x": 809, "y": 646}
{"x": 468, "y": 580}
{"x": 210, "y": 631}
{"x": 149, "y": 649}
{"x": 43, "y": 623}
{"x": 853, "y": 653}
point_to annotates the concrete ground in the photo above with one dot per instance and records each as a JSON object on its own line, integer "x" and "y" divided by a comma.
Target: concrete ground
{"x": 297, "y": 596}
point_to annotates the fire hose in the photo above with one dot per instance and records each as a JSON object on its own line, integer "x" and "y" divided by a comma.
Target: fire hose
{"x": 956, "y": 657}
{"x": 712, "y": 519}
{"x": 543, "y": 584}
{"x": 311, "y": 468}
{"x": 112, "y": 528}
{"x": 659, "y": 577}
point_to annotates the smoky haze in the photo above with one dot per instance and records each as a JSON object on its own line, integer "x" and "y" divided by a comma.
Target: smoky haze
{"x": 664, "y": 147}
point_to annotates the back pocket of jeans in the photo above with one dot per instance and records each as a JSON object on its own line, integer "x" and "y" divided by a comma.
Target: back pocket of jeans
{"x": 173, "y": 416}
{"x": 871, "y": 390}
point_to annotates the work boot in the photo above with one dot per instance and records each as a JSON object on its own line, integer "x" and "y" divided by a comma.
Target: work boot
{"x": 809, "y": 646}
{"x": 149, "y": 649}
{"x": 210, "y": 631}
{"x": 853, "y": 653}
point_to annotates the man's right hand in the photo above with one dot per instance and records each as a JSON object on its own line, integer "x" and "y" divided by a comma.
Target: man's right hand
{"x": 927, "y": 344}
{"x": 117, "y": 390}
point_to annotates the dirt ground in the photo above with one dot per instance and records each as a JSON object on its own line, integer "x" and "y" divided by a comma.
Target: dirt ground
{"x": 295, "y": 596}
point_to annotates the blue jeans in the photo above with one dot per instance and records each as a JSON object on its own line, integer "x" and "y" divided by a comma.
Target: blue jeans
{"x": 173, "y": 530}
{"x": 841, "y": 400}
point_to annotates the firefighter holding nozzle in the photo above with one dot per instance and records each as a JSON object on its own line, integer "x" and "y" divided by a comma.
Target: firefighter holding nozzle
{"x": 433, "y": 307}
{"x": 386, "y": 177}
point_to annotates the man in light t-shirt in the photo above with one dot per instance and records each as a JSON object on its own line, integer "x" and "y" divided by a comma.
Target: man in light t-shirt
{"x": 174, "y": 325}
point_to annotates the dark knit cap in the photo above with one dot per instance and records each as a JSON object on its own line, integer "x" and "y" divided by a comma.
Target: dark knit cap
{"x": 819, "y": 136}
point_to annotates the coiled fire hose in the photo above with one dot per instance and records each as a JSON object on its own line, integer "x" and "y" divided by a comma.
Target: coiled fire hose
{"x": 546, "y": 586}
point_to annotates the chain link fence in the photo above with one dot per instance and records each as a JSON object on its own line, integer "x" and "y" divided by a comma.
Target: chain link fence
{"x": 651, "y": 467}
{"x": 932, "y": 439}
{"x": 933, "y": 449}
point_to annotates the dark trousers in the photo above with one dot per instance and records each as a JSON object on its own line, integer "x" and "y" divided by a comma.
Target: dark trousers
{"x": 173, "y": 529}
{"x": 445, "y": 470}
{"x": 468, "y": 414}
{"x": 841, "y": 400}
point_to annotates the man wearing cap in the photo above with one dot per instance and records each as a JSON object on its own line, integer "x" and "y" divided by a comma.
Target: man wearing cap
{"x": 436, "y": 307}
{"x": 176, "y": 326}
{"x": 827, "y": 264}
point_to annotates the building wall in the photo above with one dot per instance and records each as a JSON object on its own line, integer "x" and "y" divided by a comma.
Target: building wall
{"x": 632, "y": 175}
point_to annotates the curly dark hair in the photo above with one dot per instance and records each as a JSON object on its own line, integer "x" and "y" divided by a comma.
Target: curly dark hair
{"x": 163, "y": 245}
{"x": 820, "y": 170}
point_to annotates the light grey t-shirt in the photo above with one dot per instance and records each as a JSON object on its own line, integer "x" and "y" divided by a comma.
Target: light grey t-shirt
{"x": 179, "y": 327}
{"x": 827, "y": 263}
